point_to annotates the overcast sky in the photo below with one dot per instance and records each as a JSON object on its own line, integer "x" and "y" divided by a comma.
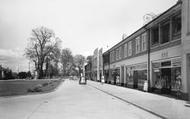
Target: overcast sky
{"x": 83, "y": 25}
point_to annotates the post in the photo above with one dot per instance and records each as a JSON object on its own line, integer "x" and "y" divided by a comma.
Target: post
{"x": 185, "y": 36}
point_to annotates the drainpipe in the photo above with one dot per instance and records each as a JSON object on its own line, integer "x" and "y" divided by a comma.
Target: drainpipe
{"x": 148, "y": 73}
{"x": 149, "y": 42}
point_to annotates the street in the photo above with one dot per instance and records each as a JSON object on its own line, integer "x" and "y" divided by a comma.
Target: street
{"x": 70, "y": 101}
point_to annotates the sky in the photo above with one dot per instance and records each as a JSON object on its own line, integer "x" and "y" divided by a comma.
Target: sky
{"x": 82, "y": 25}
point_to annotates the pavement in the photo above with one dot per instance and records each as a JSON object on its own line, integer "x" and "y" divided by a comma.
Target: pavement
{"x": 164, "y": 107}
{"x": 73, "y": 101}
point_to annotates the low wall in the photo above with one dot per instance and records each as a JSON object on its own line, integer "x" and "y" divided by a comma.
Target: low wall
{"x": 21, "y": 87}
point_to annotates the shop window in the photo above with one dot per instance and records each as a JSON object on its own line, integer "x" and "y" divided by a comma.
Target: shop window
{"x": 125, "y": 50}
{"x": 176, "y": 83}
{"x": 144, "y": 41}
{"x": 155, "y": 35}
{"x": 165, "y": 32}
{"x": 176, "y": 26}
{"x": 129, "y": 48}
{"x": 142, "y": 76}
{"x": 138, "y": 48}
{"x": 157, "y": 78}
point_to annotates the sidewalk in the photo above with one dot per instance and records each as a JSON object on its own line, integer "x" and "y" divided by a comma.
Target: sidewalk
{"x": 166, "y": 107}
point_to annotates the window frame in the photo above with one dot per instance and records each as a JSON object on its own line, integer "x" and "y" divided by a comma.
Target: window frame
{"x": 153, "y": 29}
{"x": 129, "y": 48}
{"x": 125, "y": 50}
{"x": 138, "y": 44}
{"x": 174, "y": 25}
{"x": 144, "y": 40}
{"x": 162, "y": 27}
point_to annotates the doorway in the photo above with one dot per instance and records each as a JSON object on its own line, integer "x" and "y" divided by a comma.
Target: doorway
{"x": 122, "y": 75}
{"x": 135, "y": 79}
{"x": 166, "y": 80}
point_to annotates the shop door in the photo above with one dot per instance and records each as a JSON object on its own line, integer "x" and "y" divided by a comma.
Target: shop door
{"x": 122, "y": 75}
{"x": 166, "y": 80}
{"x": 135, "y": 79}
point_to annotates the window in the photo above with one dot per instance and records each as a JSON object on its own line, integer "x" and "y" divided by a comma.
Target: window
{"x": 155, "y": 35}
{"x": 176, "y": 26}
{"x": 111, "y": 56}
{"x": 129, "y": 48}
{"x": 117, "y": 53}
{"x": 114, "y": 55}
{"x": 138, "y": 47}
{"x": 120, "y": 52}
{"x": 165, "y": 32}
{"x": 144, "y": 41}
{"x": 125, "y": 50}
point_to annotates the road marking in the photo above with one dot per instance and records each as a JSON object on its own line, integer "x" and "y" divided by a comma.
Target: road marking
{"x": 158, "y": 115}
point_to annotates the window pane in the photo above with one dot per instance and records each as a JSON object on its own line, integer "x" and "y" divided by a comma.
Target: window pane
{"x": 155, "y": 35}
{"x": 176, "y": 26}
{"x": 138, "y": 48}
{"x": 129, "y": 48}
{"x": 144, "y": 41}
{"x": 125, "y": 50}
{"x": 165, "y": 32}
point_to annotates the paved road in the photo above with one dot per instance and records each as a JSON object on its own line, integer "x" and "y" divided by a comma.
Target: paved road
{"x": 70, "y": 101}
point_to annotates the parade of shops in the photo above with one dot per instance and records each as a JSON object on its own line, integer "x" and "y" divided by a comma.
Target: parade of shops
{"x": 152, "y": 55}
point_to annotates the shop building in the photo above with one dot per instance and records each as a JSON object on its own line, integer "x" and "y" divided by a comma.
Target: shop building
{"x": 97, "y": 65}
{"x": 106, "y": 66}
{"x": 155, "y": 54}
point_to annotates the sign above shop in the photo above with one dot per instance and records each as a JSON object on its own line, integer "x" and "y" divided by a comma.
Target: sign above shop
{"x": 176, "y": 62}
{"x": 164, "y": 54}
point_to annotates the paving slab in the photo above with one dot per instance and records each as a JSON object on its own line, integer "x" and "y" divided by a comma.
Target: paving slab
{"x": 167, "y": 107}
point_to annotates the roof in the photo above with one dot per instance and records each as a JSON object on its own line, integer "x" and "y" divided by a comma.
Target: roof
{"x": 145, "y": 26}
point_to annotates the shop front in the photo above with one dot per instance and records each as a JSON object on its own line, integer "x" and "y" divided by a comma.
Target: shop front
{"x": 115, "y": 76}
{"x": 136, "y": 75}
{"x": 167, "y": 76}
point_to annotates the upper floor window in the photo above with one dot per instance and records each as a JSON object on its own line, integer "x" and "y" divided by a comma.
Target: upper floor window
{"x": 120, "y": 52}
{"x": 129, "y": 48}
{"x": 117, "y": 53}
{"x": 138, "y": 46}
{"x": 165, "y": 32}
{"x": 125, "y": 50}
{"x": 155, "y": 35}
{"x": 144, "y": 41}
{"x": 111, "y": 55}
{"x": 176, "y": 26}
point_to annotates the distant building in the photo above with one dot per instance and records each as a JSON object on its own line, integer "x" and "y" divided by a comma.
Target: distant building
{"x": 95, "y": 69}
{"x": 1, "y": 71}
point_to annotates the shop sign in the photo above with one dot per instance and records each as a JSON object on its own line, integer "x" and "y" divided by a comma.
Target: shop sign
{"x": 156, "y": 70}
{"x": 166, "y": 63}
{"x": 176, "y": 62}
{"x": 141, "y": 66}
{"x": 156, "y": 65}
{"x": 164, "y": 54}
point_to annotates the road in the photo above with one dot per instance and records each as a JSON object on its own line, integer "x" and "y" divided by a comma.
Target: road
{"x": 70, "y": 101}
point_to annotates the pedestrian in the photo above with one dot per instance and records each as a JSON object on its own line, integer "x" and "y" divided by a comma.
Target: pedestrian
{"x": 102, "y": 80}
{"x": 178, "y": 84}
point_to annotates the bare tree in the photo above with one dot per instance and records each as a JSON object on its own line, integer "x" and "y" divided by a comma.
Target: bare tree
{"x": 79, "y": 61}
{"x": 89, "y": 59}
{"x": 41, "y": 44}
{"x": 52, "y": 60}
{"x": 66, "y": 61}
